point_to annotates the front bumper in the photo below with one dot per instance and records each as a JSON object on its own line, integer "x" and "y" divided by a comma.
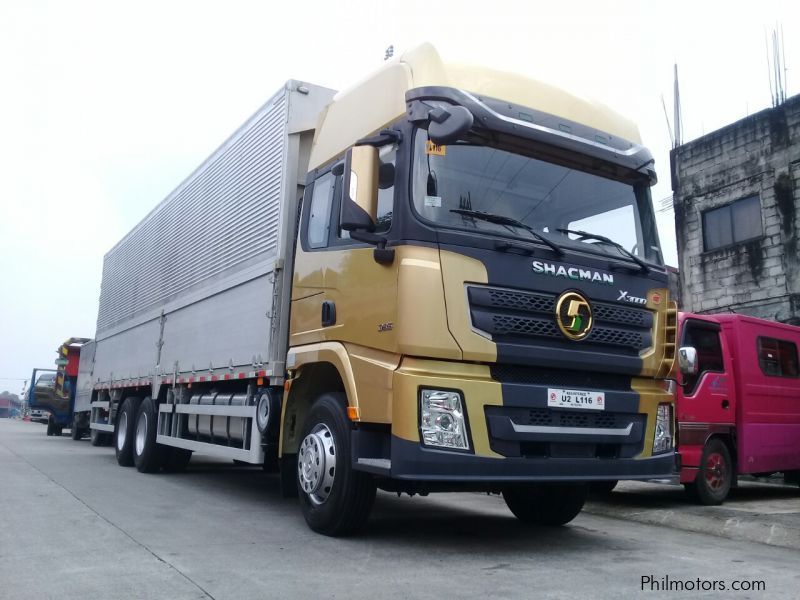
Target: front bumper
{"x": 572, "y": 447}
{"x": 411, "y": 461}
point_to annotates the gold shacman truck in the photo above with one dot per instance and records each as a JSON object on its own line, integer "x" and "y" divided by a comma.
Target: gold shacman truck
{"x": 444, "y": 278}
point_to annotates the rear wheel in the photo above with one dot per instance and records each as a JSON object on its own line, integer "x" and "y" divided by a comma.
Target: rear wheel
{"x": 51, "y": 427}
{"x": 79, "y": 427}
{"x": 545, "y": 504}
{"x": 125, "y": 432}
{"x": 335, "y": 499}
{"x": 713, "y": 481}
{"x": 791, "y": 478}
{"x": 148, "y": 455}
{"x": 76, "y": 432}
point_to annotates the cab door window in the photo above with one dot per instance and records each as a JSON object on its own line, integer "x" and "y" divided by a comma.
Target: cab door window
{"x": 319, "y": 214}
{"x": 709, "y": 353}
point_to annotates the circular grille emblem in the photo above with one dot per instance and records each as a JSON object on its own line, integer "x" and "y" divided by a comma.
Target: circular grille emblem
{"x": 574, "y": 315}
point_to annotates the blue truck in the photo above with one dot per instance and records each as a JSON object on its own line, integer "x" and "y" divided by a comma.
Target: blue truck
{"x": 52, "y": 391}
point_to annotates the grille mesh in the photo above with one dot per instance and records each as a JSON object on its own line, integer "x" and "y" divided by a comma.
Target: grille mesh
{"x": 519, "y": 314}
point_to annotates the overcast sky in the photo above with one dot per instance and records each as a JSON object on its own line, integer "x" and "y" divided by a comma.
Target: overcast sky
{"x": 106, "y": 106}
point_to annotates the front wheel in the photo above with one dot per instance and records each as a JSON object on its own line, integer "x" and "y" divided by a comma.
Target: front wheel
{"x": 545, "y": 504}
{"x": 335, "y": 499}
{"x": 713, "y": 481}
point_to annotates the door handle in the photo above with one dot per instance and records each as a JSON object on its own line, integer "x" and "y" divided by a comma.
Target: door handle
{"x": 725, "y": 404}
{"x": 328, "y": 313}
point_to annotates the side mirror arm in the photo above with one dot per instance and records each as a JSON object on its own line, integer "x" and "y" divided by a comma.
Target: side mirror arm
{"x": 382, "y": 254}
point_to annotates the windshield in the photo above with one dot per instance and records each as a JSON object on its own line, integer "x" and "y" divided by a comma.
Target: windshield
{"x": 46, "y": 380}
{"x": 542, "y": 195}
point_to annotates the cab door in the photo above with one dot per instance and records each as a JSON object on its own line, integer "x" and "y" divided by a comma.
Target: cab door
{"x": 709, "y": 397}
{"x": 340, "y": 292}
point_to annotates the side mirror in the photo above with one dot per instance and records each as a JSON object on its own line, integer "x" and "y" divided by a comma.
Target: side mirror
{"x": 360, "y": 189}
{"x": 687, "y": 360}
{"x": 449, "y": 124}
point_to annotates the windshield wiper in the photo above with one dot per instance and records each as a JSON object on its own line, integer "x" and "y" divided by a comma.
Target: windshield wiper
{"x": 503, "y": 220}
{"x": 585, "y": 235}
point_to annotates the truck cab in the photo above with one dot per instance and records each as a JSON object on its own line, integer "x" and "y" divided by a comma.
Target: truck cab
{"x": 479, "y": 276}
{"x": 738, "y": 402}
{"x": 52, "y": 397}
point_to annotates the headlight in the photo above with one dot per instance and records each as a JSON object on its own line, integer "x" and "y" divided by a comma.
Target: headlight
{"x": 441, "y": 417}
{"x": 662, "y": 441}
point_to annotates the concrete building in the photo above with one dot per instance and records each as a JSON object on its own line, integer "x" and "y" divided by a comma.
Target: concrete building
{"x": 736, "y": 195}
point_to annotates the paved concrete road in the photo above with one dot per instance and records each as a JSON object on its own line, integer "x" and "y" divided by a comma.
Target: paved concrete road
{"x": 76, "y": 525}
{"x": 768, "y": 513}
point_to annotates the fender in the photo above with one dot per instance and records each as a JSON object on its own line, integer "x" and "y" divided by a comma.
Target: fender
{"x": 371, "y": 368}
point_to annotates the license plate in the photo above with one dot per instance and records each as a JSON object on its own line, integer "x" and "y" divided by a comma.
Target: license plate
{"x": 557, "y": 398}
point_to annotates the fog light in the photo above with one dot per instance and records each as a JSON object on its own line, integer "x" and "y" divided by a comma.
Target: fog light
{"x": 441, "y": 418}
{"x": 662, "y": 440}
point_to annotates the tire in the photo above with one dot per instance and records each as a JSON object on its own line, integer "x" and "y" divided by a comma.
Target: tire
{"x": 791, "y": 478}
{"x": 99, "y": 438}
{"x": 125, "y": 432}
{"x": 51, "y": 428}
{"x": 601, "y": 488}
{"x": 176, "y": 459}
{"x": 547, "y": 504}
{"x": 335, "y": 499}
{"x": 148, "y": 455}
{"x": 713, "y": 481}
{"x": 75, "y": 432}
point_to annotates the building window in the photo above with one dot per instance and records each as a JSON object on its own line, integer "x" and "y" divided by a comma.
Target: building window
{"x": 777, "y": 358}
{"x": 732, "y": 224}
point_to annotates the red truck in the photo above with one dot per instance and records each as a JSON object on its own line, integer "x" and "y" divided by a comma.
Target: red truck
{"x": 738, "y": 402}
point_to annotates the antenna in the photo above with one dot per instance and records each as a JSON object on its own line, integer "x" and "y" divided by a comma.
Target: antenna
{"x": 783, "y": 59}
{"x": 669, "y": 127}
{"x": 665, "y": 204}
{"x": 678, "y": 121}
{"x": 776, "y": 67}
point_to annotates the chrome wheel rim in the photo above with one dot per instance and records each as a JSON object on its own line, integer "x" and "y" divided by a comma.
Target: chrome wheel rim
{"x": 141, "y": 433}
{"x": 316, "y": 464}
{"x": 122, "y": 430}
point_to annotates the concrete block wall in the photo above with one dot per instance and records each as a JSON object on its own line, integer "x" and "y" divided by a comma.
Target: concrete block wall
{"x": 759, "y": 155}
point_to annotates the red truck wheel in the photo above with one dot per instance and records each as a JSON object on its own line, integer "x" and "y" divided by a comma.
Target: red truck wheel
{"x": 714, "y": 478}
